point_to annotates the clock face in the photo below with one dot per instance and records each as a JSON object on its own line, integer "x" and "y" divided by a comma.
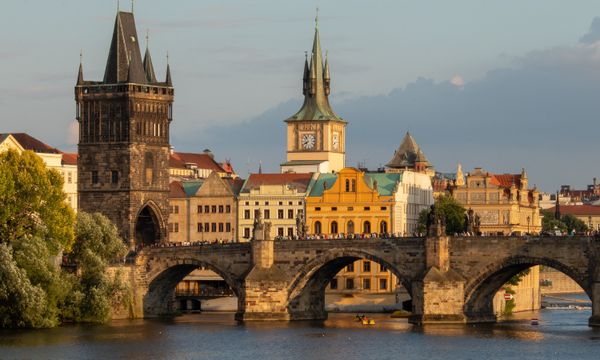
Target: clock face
{"x": 308, "y": 141}
{"x": 335, "y": 141}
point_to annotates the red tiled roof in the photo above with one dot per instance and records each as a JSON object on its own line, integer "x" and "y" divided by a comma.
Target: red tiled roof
{"x": 176, "y": 190}
{"x": 227, "y": 167}
{"x": 300, "y": 181}
{"x": 69, "y": 158}
{"x": 28, "y": 142}
{"x": 578, "y": 210}
{"x": 202, "y": 161}
{"x": 506, "y": 180}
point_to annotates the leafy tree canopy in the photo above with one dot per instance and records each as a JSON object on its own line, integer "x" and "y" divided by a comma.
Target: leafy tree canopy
{"x": 453, "y": 212}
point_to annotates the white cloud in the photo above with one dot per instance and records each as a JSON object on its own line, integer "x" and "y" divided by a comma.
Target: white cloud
{"x": 457, "y": 81}
{"x": 73, "y": 133}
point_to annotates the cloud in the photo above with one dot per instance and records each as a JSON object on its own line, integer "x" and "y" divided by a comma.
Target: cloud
{"x": 73, "y": 133}
{"x": 542, "y": 114}
{"x": 457, "y": 81}
{"x": 593, "y": 35}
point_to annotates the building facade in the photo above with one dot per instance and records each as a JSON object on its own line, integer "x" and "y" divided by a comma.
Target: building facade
{"x": 277, "y": 198}
{"x": 204, "y": 210}
{"x": 187, "y": 166}
{"x": 504, "y": 202}
{"x": 123, "y": 146}
{"x": 589, "y": 214}
{"x": 316, "y": 135}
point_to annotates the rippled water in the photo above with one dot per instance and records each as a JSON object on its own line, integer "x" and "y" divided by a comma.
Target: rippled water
{"x": 562, "y": 334}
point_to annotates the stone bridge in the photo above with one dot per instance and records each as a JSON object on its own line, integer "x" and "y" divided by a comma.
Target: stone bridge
{"x": 450, "y": 279}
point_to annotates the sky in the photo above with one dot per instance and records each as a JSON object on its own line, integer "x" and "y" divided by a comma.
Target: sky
{"x": 502, "y": 84}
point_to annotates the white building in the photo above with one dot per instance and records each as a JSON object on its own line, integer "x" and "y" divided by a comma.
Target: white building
{"x": 413, "y": 194}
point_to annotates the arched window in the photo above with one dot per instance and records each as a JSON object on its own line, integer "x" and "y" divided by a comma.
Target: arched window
{"x": 350, "y": 227}
{"x": 353, "y": 185}
{"x": 317, "y": 227}
{"x": 367, "y": 227}
{"x": 347, "y": 185}
{"x": 383, "y": 227}
{"x": 334, "y": 227}
{"x": 149, "y": 168}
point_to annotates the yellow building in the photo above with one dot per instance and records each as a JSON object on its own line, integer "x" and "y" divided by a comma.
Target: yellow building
{"x": 315, "y": 134}
{"x": 589, "y": 214}
{"x": 355, "y": 203}
{"x": 503, "y": 202}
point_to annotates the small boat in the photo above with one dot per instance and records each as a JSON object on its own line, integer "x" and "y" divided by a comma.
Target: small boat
{"x": 366, "y": 321}
{"x": 535, "y": 321}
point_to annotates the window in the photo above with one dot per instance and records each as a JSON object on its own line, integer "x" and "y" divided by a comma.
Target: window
{"x": 199, "y": 209}
{"x": 266, "y": 203}
{"x": 280, "y": 214}
{"x": 114, "y": 177}
{"x": 267, "y": 214}
{"x": 317, "y": 227}
{"x": 280, "y": 231}
{"x": 206, "y": 209}
{"x": 367, "y": 208}
{"x": 174, "y": 227}
{"x": 281, "y": 203}
{"x": 366, "y": 227}
{"x": 384, "y": 208}
{"x": 382, "y": 268}
{"x": 221, "y": 227}
{"x": 334, "y": 208}
{"x": 383, "y": 227}
{"x": 213, "y": 209}
{"x": 246, "y": 214}
{"x": 228, "y": 227}
{"x": 206, "y": 227}
{"x": 350, "y": 267}
{"x": 199, "y": 227}
{"x": 70, "y": 178}
{"x": 333, "y": 284}
{"x": 367, "y": 284}
{"x": 350, "y": 208}
{"x": 366, "y": 266}
{"x": 290, "y": 231}
{"x": 176, "y": 209}
{"x": 350, "y": 227}
{"x": 290, "y": 203}
{"x": 349, "y": 284}
{"x": 256, "y": 203}
{"x": 228, "y": 208}
{"x": 94, "y": 177}
{"x": 247, "y": 203}
{"x": 300, "y": 203}
{"x": 290, "y": 213}
{"x": 256, "y": 213}
{"x": 347, "y": 185}
{"x": 382, "y": 284}
{"x": 221, "y": 209}
{"x": 213, "y": 227}
{"x": 334, "y": 227}
{"x": 317, "y": 209}
{"x": 246, "y": 233}
{"x": 353, "y": 185}
{"x": 149, "y": 168}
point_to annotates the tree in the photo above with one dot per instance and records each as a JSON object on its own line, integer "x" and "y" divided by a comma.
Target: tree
{"x": 33, "y": 202}
{"x": 453, "y": 212}
{"x": 573, "y": 224}
{"x": 566, "y": 223}
{"x": 97, "y": 245}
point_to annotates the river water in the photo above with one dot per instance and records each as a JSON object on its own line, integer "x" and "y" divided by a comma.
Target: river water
{"x": 561, "y": 334}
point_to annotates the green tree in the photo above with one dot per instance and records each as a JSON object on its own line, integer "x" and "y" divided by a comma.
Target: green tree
{"x": 453, "y": 212}
{"x": 566, "y": 223}
{"x": 97, "y": 245}
{"x": 33, "y": 202}
{"x": 573, "y": 224}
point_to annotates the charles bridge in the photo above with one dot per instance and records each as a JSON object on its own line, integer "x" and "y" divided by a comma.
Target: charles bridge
{"x": 450, "y": 279}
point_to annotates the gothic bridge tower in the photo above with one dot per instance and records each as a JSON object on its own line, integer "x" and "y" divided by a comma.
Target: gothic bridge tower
{"x": 123, "y": 163}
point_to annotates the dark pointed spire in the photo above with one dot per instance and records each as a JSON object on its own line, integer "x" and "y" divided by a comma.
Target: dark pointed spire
{"x": 168, "y": 80}
{"x": 557, "y": 207}
{"x": 80, "y": 74}
{"x": 315, "y": 87}
{"x": 124, "y": 56}
{"x": 148, "y": 67}
{"x": 326, "y": 76}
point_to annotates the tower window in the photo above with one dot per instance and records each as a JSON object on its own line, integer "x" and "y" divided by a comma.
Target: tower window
{"x": 94, "y": 177}
{"x": 114, "y": 177}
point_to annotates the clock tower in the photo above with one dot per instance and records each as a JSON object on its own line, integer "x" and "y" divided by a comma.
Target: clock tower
{"x": 315, "y": 134}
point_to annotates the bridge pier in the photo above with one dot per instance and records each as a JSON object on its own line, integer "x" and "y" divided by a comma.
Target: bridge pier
{"x": 594, "y": 320}
{"x": 438, "y": 295}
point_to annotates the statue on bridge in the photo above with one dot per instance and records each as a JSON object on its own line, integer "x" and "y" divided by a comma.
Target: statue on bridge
{"x": 436, "y": 222}
{"x": 472, "y": 222}
{"x": 261, "y": 230}
{"x": 301, "y": 228}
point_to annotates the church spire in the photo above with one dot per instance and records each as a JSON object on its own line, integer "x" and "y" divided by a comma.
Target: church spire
{"x": 315, "y": 87}
{"x": 168, "y": 80}
{"x": 80, "y": 74}
{"x": 148, "y": 67}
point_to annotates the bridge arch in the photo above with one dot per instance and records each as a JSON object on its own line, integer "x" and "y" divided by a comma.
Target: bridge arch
{"x": 164, "y": 277}
{"x": 480, "y": 291}
{"x": 307, "y": 288}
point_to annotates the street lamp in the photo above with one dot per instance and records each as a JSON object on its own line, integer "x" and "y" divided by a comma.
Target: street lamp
{"x": 528, "y": 222}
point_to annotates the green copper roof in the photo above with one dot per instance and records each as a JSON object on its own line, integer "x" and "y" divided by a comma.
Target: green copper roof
{"x": 386, "y": 182}
{"x": 316, "y": 186}
{"x": 316, "y": 89}
{"x": 191, "y": 187}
